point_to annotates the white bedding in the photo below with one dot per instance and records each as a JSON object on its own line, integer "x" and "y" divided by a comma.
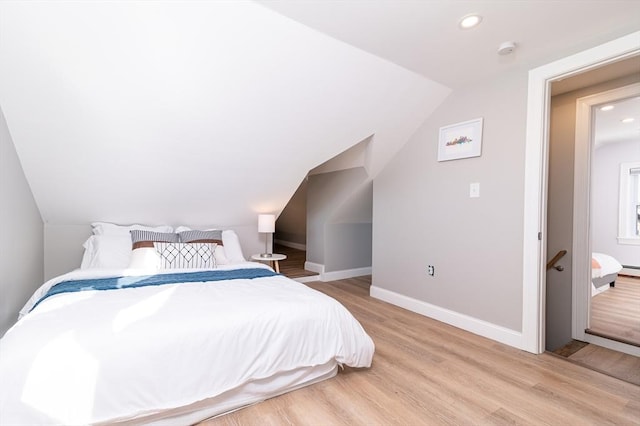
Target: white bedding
{"x": 608, "y": 265}
{"x": 105, "y": 356}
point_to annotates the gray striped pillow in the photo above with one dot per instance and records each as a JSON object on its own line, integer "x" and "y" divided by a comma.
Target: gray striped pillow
{"x": 195, "y": 236}
{"x": 141, "y": 238}
{"x": 186, "y": 255}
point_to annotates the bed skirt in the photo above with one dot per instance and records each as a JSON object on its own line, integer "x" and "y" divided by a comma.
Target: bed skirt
{"x": 248, "y": 394}
{"x": 605, "y": 280}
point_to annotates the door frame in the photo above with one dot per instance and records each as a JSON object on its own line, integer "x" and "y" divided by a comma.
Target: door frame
{"x": 584, "y": 146}
{"x": 536, "y": 175}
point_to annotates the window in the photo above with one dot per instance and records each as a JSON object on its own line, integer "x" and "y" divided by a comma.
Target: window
{"x": 629, "y": 221}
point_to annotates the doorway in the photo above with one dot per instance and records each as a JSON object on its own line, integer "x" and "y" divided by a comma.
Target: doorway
{"x": 568, "y": 281}
{"x": 587, "y": 199}
{"x": 535, "y": 191}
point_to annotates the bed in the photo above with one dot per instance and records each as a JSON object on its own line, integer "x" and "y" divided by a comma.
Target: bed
{"x": 604, "y": 272}
{"x": 177, "y": 346}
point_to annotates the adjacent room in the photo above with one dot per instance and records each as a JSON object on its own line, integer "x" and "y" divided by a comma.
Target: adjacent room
{"x": 353, "y": 212}
{"x": 616, "y": 221}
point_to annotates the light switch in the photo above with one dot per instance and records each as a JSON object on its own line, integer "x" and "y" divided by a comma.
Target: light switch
{"x": 474, "y": 190}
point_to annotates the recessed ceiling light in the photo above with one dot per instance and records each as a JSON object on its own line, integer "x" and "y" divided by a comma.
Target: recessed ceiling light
{"x": 470, "y": 21}
{"x": 628, "y": 120}
{"x": 607, "y": 108}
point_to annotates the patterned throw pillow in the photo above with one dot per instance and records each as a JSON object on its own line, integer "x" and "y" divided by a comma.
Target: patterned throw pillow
{"x": 182, "y": 255}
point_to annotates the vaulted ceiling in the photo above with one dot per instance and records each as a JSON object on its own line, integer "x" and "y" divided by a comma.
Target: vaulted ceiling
{"x": 207, "y": 112}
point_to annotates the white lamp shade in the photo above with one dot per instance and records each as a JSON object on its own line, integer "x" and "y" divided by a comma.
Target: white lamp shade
{"x": 267, "y": 223}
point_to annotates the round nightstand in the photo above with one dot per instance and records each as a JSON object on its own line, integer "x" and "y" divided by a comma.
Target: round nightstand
{"x": 275, "y": 258}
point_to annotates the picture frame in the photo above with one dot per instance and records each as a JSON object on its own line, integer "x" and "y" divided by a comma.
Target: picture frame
{"x": 460, "y": 140}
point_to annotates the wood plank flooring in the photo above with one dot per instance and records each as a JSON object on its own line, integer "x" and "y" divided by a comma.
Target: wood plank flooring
{"x": 607, "y": 361}
{"x": 615, "y": 313}
{"x": 428, "y": 373}
{"x": 293, "y": 265}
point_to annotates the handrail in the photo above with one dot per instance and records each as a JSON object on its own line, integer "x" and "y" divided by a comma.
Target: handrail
{"x": 557, "y": 257}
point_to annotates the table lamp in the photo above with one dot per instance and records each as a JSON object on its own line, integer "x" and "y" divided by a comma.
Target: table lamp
{"x": 266, "y": 225}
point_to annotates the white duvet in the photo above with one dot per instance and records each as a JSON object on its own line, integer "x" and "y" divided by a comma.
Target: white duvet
{"x": 101, "y": 356}
{"x": 603, "y": 264}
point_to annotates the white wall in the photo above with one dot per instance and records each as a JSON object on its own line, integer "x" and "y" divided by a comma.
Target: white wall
{"x": 605, "y": 185}
{"x": 356, "y": 156}
{"x": 192, "y": 112}
{"x": 187, "y": 113}
{"x": 349, "y": 232}
{"x": 291, "y": 225}
{"x": 351, "y": 205}
{"x": 335, "y": 205}
{"x": 422, "y": 213}
{"x": 21, "y": 241}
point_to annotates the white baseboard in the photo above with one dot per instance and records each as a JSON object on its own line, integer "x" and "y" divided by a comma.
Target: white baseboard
{"x": 344, "y": 274}
{"x": 292, "y": 245}
{"x": 308, "y": 279}
{"x": 465, "y": 322}
{"x": 631, "y": 272}
{"x": 314, "y": 267}
{"x": 335, "y": 275}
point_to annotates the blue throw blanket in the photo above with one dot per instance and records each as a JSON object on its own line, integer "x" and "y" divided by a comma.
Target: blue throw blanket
{"x": 114, "y": 283}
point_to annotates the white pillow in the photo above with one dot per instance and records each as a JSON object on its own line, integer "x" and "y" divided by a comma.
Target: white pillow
{"x": 105, "y": 228}
{"x": 220, "y": 255}
{"x": 108, "y": 252}
{"x": 89, "y": 250}
{"x": 232, "y": 247}
{"x": 145, "y": 258}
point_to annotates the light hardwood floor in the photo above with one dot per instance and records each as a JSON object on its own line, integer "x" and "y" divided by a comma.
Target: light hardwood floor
{"x": 428, "y": 373}
{"x": 607, "y": 361}
{"x": 615, "y": 313}
{"x": 293, "y": 265}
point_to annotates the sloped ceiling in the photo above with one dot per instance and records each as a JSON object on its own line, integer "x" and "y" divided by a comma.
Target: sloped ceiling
{"x": 188, "y": 112}
{"x": 423, "y": 35}
{"x": 208, "y": 112}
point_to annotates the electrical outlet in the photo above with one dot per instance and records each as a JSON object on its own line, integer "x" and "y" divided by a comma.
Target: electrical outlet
{"x": 431, "y": 270}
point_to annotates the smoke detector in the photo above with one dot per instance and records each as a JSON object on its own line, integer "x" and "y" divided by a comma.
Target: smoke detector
{"x": 506, "y": 48}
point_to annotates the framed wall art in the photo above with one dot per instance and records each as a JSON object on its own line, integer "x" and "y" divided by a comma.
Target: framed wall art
{"x": 460, "y": 140}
